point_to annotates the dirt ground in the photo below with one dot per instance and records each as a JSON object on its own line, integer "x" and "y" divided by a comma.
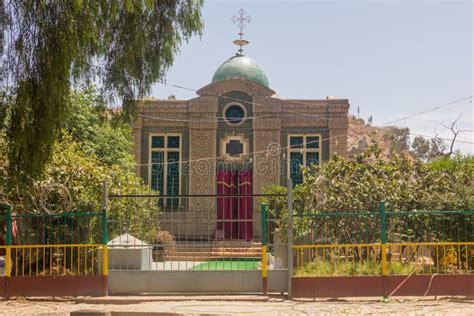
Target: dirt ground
{"x": 242, "y": 306}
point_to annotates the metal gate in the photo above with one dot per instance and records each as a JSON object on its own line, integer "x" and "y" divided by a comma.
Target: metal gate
{"x": 188, "y": 244}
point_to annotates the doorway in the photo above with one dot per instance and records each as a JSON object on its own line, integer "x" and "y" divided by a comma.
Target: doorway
{"x": 234, "y": 205}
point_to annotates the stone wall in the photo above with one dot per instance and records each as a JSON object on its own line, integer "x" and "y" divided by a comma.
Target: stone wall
{"x": 201, "y": 215}
{"x": 338, "y": 125}
{"x": 266, "y": 169}
{"x": 274, "y": 117}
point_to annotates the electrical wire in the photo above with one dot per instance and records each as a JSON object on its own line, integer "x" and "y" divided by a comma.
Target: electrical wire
{"x": 322, "y": 117}
{"x": 442, "y": 138}
{"x": 272, "y": 150}
{"x": 279, "y": 149}
{"x": 251, "y": 102}
{"x": 219, "y": 119}
{"x": 301, "y": 115}
{"x": 428, "y": 110}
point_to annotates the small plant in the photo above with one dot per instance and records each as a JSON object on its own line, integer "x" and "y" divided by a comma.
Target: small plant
{"x": 320, "y": 267}
{"x": 166, "y": 240}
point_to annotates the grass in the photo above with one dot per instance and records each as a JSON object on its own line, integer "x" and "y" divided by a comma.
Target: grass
{"x": 229, "y": 264}
{"x": 348, "y": 268}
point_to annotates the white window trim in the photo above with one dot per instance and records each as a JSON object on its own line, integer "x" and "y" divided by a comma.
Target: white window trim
{"x": 303, "y": 150}
{"x": 165, "y": 150}
{"x": 242, "y": 139}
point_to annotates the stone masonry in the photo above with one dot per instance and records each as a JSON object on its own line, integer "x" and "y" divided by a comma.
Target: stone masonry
{"x": 274, "y": 119}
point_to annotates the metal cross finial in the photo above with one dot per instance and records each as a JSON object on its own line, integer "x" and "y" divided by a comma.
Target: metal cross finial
{"x": 241, "y": 19}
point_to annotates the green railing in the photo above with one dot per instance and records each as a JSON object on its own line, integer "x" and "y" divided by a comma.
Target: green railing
{"x": 64, "y": 228}
{"x": 73, "y": 243}
{"x": 384, "y": 242}
{"x": 3, "y": 233}
{"x": 53, "y": 229}
{"x": 387, "y": 226}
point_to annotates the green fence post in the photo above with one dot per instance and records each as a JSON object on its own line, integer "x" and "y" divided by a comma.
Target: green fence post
{"x": 383, "y": 240}
{"x": 9, "y": 225}
{"x": 105, "y": 235}
{"x": 264, "y": 248}
{"x": 8, "y": 263}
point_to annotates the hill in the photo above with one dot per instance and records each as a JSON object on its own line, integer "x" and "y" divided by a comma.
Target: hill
{"x": 361, "y": 135}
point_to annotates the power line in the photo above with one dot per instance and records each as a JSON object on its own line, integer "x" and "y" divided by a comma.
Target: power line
{"x": 251, "y": 102}
{"x": 200, "y": 119}
{"x": 301, "y": 115}
{"x": 442, "y": 138}
{"x": 322, "y": 117}
{"x": 279, "y": 149}
{"x": 213, "y": 119}
{"x": 272, "y": 150}
{"x": 428, "y": 110}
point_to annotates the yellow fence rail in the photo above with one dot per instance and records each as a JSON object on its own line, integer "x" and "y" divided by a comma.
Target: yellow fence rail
{"x": 55, "y": 260}
{"x": 383, "y": 259}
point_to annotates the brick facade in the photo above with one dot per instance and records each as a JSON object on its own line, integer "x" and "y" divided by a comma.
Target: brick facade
{"x": 274, "y": 119}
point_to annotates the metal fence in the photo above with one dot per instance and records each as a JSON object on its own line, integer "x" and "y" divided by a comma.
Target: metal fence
{"x": 384, "y": 243}
{"x": 65, "y": 244}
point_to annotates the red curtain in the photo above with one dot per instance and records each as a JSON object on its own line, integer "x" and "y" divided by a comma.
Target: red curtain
{"x": 245, "y": 205}
{"x": 225, "y": 205}
{"x": 234, "y": 213}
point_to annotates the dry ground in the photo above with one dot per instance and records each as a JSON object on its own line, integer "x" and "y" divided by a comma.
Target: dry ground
{"x": 242, "y": 306}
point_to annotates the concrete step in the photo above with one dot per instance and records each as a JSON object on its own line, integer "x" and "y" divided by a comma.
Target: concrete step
{"x": 189, "y": 253}
{"x": 198, "y": 251}
{"x": 193, "y": 249}
{"x": 210, "y": 256}
{"x": 235, "y": 249}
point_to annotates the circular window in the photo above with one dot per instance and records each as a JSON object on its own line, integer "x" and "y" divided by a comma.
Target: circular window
{"x": 234, "y": 114}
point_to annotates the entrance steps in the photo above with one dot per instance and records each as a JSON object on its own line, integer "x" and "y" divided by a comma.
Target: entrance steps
{"x": 214, "y": 250}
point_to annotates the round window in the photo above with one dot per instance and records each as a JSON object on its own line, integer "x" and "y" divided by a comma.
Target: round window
{"x": 234, "y": 114}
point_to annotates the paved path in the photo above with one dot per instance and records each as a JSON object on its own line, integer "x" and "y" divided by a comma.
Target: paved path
{"x": 237, "y": 306}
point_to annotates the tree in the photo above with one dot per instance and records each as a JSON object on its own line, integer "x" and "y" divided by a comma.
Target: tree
{"x": 455, "y": 131}
{"x": 427, "y": 150}
{"x": 83, "y": 175}
{"x": 93, "y": 147}
{"x": 101, "y": 131}
{"x": 49, "y": 47}
{"x": 399, "y": 139}
{"x": 360, "y": 184}
{"x": 404, "y": 185}
{"x": 421, "y": 147}
{"x": 437, "y": 148}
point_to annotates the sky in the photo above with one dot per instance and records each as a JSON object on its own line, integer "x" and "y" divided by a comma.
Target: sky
{"x": 391, "y": 59}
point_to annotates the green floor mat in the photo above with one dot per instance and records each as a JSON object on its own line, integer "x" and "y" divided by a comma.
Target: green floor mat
{"x": 229, "y": 264}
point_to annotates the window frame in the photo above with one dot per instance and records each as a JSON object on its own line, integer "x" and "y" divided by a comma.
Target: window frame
{"x": 303, "y": 150}
{"x": 230, "y": 104}
{"x": 245, "y": 150}
{"x": 165, "y": 150}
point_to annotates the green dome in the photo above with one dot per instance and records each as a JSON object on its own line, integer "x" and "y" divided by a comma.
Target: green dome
{"x": 241, "y": 66}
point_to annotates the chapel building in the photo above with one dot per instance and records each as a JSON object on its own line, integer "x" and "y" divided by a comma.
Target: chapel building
{"x": 235, "y": 138}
